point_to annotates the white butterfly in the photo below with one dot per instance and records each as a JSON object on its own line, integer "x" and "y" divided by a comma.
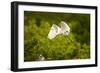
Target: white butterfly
{"x": 55, "y": 30}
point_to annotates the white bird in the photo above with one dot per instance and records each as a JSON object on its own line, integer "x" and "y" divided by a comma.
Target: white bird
{"x": 55, "y": 30}
{"x": 41, "y": 58}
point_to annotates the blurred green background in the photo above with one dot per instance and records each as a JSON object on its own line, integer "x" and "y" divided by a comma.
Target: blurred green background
{"x": 37, "y": 26}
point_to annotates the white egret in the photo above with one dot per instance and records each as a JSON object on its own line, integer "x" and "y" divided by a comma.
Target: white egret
{"x": 56, "y": 30}
{"x": 41, "y": 58}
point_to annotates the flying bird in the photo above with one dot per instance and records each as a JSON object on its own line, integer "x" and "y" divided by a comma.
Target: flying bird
{"x": 56, "y": 30}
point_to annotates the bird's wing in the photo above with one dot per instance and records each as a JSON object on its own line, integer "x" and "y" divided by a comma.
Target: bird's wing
{"x": 53, "y": 31}
{"x": 64, "y": 27}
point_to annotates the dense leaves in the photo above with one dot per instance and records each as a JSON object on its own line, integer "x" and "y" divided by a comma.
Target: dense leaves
{"x": 74, "y": 46}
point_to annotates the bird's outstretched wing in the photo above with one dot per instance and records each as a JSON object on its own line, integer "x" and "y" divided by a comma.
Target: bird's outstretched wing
{"x": 53, "y": 31}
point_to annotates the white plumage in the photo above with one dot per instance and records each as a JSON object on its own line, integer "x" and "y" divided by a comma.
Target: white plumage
{"x": 65, "y": 29}
{"x": 41, "y": 58}
{"x": 55, "y": 30}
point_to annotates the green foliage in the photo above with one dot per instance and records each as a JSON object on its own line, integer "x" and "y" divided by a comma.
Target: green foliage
{"x": 74, "y": 46}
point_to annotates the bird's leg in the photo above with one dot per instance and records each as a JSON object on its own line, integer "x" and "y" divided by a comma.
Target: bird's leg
{"x": 69, "y": 39}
